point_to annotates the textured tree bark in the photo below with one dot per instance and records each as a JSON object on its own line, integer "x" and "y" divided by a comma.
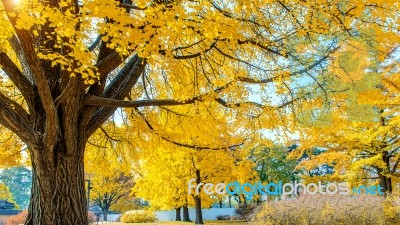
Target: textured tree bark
{"x": 178, "y": 214}
{"x": 58, "y": 184}
{"x": 58, "y": 189}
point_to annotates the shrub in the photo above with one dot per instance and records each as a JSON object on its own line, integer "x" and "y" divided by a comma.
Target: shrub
{"x": 138, "y": 216}
{"x": 223, "y": 217}
{"x": 325, "y": 209}
{"x": 235, "y": 217}
{"x": 91, "y": 218}
{"x": 17, "y": 219}
{"x": 245, "y": 212}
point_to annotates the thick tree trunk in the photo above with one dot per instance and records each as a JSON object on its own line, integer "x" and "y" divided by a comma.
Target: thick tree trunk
{"x": 178, "y": 214}
{"x": 58, "y": 144}
{"x": 186, "y": 217}
{"x": 58, "y": 188}
{"x": 58, "y": 184}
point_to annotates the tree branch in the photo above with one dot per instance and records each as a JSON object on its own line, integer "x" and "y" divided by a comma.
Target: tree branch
{"x": 26, "y": 42}
{"x": 127, "y": 6}
{"x": 256, "y": 104}
{"x": 108, "y": 136}
{"x": 276, "y": 52}
{"x": 64, "y": 94}
{"x": 17, "y": 120}
{"x": 18, "y": 79}
{"x": 194, "y": 55}
{"x": 114, "y": 103}
{"x": 108, "y": 60}
{"x": 14, "y": 42}
{"x": 95, "y": 43}
{"x": 118, "y": 88}
{"x": 108, "y": 64}
{"x": 17, "y": 108}
{"x": 182, "y": 144}
{"x": 395, "y": 166}
{"x": 127, "y": 76}
{"x": 268, "y": 80}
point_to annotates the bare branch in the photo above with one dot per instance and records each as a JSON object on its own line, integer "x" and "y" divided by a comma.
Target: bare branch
{"x": 189, "y": 46}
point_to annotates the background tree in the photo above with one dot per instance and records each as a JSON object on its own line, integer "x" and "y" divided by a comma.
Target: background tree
{"x": 72, "y": 65}
{"x": 315, "y": 173}
{"x": 10, "y": 148}
{"x": 126, "y": 203}
{"x": 162, "y": 180}
{"x": 110, "y": 175}
{"x": 166, "y": 169}
{"x": 166, "y": 173}
{"x": 7, "y": 201}
{"x": 361, "y": 140}
{"x": 19, "y": 181}
{"x": 273, "y": 164}
{"x": 108, "y": 190}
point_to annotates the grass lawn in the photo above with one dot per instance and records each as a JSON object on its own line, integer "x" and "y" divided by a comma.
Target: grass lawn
{"x": 216, "y": 222}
